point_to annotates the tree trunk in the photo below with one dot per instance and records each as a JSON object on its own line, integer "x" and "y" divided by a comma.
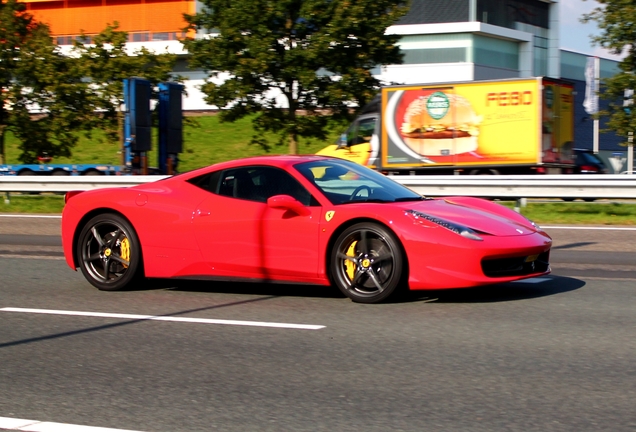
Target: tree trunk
{"x": 293, "y": 136}
{"x": 3, "y": 158}
{"x": 293, "y": 144}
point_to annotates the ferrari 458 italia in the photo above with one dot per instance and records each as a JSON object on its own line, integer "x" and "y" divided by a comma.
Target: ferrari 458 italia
{"x": 302, "y": 219}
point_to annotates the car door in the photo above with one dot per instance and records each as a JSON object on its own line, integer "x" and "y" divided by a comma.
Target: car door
{"x": 240, "y": 235}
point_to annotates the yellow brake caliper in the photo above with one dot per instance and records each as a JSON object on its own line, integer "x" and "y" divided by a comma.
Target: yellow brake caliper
{"x": 125, "y": 250}
{"x": 351, "y": 267}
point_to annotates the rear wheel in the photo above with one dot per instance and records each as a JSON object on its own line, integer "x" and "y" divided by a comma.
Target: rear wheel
{"x": 109, "y": 253}
{"x": 366, "y": 263}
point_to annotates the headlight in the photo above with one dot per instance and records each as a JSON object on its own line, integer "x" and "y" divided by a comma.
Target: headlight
{"x": 462, "y": 230}
{"x": 535, "y": 225}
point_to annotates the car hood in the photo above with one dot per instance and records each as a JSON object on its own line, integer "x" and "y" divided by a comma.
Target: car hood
{"x": 475, "y": 218}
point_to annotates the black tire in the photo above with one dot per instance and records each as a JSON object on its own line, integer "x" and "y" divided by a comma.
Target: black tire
{"x": 93, "y": 172}
{"x": 366, "y": 263}
{"x": 102, "y": 248}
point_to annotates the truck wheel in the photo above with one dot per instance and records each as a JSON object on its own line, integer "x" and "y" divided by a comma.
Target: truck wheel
{"x": 484, "y": 172}
{"x": 92, "y": 173}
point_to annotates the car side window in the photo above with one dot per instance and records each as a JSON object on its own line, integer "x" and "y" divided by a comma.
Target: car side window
{"x": 272, "y": 181}
{"x": 255, "y": 183}
{"x": 208, "y": 182}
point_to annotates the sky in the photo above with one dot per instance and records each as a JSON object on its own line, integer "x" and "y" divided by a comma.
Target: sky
{"x": 574, "y": 35}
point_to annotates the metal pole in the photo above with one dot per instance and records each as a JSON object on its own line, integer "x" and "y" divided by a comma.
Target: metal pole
{"x": 630, "y": 153}
{"x": 597, "y": 76}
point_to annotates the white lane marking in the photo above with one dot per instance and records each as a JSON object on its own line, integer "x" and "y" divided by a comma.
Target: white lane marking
{"x": 40, "y": 257}
{"x": 533, "y": 280}
{"x": 31, "y": 216}
{"x": 38, "y": 426}
{"x": 166, "y": 318}
{"x": 604, "y": 228}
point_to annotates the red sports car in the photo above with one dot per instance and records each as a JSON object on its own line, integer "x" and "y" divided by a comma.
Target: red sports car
{"x": 303, "y": 219}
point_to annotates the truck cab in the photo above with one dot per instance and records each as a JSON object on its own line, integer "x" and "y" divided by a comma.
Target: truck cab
{"x": 359, "y": 143}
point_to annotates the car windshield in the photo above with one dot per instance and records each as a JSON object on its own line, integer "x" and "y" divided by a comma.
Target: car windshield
{"x": 344, "y": 182}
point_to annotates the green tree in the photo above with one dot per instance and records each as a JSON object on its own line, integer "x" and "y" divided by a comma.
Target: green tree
{"x": 105, "y": 63}
{"x": 617, "y": 21}
{"x": 315, "y": 55}
{"x": 42, "y": 97}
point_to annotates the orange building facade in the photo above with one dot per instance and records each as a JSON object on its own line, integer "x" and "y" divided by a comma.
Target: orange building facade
{"x": 143, "y": 20}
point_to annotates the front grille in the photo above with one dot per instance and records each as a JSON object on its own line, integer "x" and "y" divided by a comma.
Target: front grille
{"x": 516, "y": 266}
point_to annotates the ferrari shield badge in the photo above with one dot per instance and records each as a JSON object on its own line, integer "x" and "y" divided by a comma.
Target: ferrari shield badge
{"x": 329, "y": 215}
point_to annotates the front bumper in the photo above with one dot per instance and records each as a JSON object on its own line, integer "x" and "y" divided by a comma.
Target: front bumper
{"x": 462, "y": 263}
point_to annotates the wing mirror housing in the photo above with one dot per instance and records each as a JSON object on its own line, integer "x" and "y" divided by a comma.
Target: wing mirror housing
{"x": 287, "y": 202}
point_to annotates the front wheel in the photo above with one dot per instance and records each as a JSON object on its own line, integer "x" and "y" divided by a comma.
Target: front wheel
{"x": 109, "y": 253}
{"x": 366, "y": 263}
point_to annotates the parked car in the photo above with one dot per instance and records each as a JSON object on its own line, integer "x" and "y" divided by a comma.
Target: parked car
{"x": 587, "y": 162}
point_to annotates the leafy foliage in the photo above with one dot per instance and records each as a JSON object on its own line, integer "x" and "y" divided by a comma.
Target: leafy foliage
{"x": 617, "y": 21}
{"x": 47, "y": 97}
{"x": 279, "y": 59}
{"x": 43, "y": 97}
{"x": 105, "y": 63}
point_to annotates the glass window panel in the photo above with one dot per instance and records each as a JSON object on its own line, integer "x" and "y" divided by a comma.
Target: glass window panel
{"x": 495, "y": 52}
{"x": 436, "y": 55}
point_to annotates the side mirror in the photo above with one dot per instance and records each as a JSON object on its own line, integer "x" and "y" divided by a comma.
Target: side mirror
{"x": 287, "y": 202}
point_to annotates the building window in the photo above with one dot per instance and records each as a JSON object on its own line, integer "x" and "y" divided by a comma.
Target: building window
{"x": 436, "y": 48}
{"x": 139, "y": 37}
{"x": 85, "y": 39}
{"x": 510, "y": 13}
{"x": 435, "y": 55}
{"x": 436, "y": 11}
{"x": 162, "y": 36}
{"x": 64, "y": 40}
{"x": 496, "y": 53}
{"x": 540, "y": 67}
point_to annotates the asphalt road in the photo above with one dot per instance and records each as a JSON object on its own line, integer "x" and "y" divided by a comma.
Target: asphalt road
{"x": 548, "y": 354}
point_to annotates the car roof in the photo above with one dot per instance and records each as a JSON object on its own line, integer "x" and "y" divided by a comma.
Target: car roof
{"x": 280, "y": 161}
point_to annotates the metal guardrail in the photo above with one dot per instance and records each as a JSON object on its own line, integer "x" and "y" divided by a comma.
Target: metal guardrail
{"x": 525, "y": 186}
{"x": 509, "y": 186}
{"x": 69, "y": 183}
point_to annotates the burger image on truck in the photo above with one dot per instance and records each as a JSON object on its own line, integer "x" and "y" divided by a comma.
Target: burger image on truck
{"x": 514, "y": 126}
{"x": 427, "y": 127}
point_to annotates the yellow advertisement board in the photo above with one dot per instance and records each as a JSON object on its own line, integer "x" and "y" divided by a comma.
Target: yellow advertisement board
{"x": 467, "y": 124}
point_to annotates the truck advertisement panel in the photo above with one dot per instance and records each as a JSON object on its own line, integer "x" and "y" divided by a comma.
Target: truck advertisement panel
{"x": 557, "y": 122}
{"x": 472, "y": 124}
